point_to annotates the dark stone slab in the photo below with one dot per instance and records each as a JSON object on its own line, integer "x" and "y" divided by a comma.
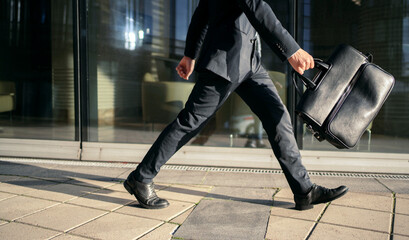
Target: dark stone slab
{"x": 246, "y": 179}
{"x": 225, "y": 219}
{"x": 260, "y": 196}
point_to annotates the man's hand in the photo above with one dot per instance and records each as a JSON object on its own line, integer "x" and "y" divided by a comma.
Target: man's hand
{"x": 185, "y": 67}
{"x": 301, "y": 61}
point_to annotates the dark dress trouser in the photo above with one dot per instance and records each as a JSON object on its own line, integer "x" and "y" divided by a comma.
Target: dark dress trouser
{"x": 209, "y": 93}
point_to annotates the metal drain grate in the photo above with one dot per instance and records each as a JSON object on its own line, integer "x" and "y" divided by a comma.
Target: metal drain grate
{"x": 202, "y": 168}
{"x": 272, "y": 171}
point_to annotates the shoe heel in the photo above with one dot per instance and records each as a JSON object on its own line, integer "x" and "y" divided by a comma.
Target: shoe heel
{"x": 128, "y": 188}
{"x": 302, "y": 207}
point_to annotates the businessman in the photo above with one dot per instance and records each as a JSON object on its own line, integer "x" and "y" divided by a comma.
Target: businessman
{"x": 221, "y": 45}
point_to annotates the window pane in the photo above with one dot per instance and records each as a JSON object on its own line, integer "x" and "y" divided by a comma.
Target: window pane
{"x": 36, "y": 70}
{"x": 134, "y": 48}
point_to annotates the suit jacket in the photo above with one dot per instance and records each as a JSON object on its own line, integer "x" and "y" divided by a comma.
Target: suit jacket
{"x": 226, "y": 32}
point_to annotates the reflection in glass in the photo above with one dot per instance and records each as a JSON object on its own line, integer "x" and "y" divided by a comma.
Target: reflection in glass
{"x": 134, "y": 48}
{"x": 36, "y": 70}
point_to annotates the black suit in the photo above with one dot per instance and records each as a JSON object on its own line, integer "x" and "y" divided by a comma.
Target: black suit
{"x": 225, "y": 31}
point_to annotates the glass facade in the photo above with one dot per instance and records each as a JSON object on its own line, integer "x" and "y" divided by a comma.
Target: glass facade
{"x": 134, "y": 48}
{"x": 128, "y": 52}
{"x": 37, "y": 70}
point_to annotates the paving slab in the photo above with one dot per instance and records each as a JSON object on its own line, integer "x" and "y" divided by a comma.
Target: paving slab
{"x": 399, "y": 195}
{"x": 91, "y": 182}
{"x": 224, "y": 219}
{"x": 362, "y": 185}
{"x": 62, "y": 217}
{"x": 182, "y": 217}
{"x": 184, "y": 193}
{"x": 397, "y": 186}
{"x": 4, "y": 195}
{"x": 125, "y": 174}
{"x": 87, "y": 172}
{"x": 181, "y": 177}
{"x": 400, "y": 237}
{"x": 357, "y": 218}
{"x": 263, "y": 196}
{"x": 25, "y": 185}
{"x": 66, "y": 236}
{"x": 402, "y": 205}
{"x": 401, "y": 224}
{"x": 20, "y": 231}
{"x": 285, "y": 193}
{"x": 117, "y": 226}
{"x": 165, "y": 214}
{"x": 23, "y": 169}
{"x": 19, "y": 206}
{"x": 285, "y": 208}
{"x": 279, "y": 228}
{"x": 103, "y": 199}
{"x": 366, "y": 201}
{"x": 245, "y": 179}
{"x": 328, "y": 231}
{"x": 62, "y": 192}
{"x": 163, "y": 232}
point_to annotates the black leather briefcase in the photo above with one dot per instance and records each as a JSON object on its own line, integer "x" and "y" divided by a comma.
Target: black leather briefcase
{"x": 344, "y": 96}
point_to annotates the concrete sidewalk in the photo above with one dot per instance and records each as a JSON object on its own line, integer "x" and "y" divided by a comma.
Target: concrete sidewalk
{"x": 75, "y": 200}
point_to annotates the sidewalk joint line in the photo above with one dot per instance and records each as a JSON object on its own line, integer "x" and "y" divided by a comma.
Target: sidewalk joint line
{"x": 88, "y": 221}
{"x": 37, "y": 211}
{"x": 271, "y": 208}
{"x": 359, "y": 228}
{"x": 38, "y": 226}
{"x": 56, "y": 235}
{"x": 391, "y": 227}
{"x": 376, "y": 179}
{"x": 14, "y": 195}
{"x": 170, "y": 221}
{"x": 151, "y": 230}
{"x": 204, "y": 177}
{"x": 139, "y": 216}
{"x": 361, "y": 208}
{"x": 317, "y": 221}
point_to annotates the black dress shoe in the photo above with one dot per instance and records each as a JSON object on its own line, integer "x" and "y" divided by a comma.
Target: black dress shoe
{"x": 145, "y": 194}
{"x": 317, "y": 195}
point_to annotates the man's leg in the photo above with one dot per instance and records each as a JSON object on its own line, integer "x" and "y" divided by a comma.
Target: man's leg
{"x": 208, "y": 94}
{"x": 262, "y": 97}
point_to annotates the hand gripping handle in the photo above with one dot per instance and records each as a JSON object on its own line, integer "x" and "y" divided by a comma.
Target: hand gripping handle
{"x": 310, "y": 84}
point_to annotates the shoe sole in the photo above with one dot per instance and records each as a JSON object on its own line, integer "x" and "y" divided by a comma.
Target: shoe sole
{"x": 131, "y": 191}
{"x": 301, "y": 207}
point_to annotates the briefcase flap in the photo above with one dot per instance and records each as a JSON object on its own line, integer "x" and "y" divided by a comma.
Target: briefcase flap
{"x": 351, "y": 117}
{"x": 316, "y": 104}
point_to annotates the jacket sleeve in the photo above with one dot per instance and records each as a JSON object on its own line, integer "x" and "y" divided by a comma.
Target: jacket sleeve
{"x": 263, "y": 19}
{"x": 197, "y": 30}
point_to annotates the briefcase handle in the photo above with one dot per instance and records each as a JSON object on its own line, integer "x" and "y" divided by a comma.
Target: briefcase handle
{"x": 310, "y": 84}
